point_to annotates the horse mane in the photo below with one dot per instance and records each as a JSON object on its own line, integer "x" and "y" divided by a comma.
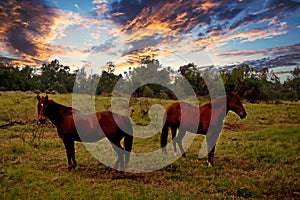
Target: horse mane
{"x": 55, "y": 111}
{"x": 219, "y": 101}
{"x": 58, "y": 106}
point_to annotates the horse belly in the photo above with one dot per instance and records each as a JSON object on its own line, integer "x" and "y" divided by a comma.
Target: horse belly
{"x": 88, "y": 129}
{"x": 114, "y": 126}
{"x": 189, "y": 125}
{"x": 194, "y": 125}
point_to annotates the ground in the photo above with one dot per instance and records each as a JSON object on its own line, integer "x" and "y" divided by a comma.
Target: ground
{"x": 257, "y": 157}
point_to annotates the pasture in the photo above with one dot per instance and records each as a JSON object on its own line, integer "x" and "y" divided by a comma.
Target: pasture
{"x": 257, "y": 157}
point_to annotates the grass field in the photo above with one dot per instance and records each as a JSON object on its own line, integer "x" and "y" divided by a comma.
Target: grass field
{"x": 257, "y": 158}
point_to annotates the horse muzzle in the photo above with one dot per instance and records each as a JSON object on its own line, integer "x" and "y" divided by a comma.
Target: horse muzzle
{"x": 42, "y": 120}
{"x": 243, "y": 115}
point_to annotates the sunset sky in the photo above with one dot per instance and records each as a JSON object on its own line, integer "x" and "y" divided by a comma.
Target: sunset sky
{"x": 92, "y": 32}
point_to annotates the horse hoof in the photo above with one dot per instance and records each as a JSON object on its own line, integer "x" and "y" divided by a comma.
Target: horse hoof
{"x": 70, "y": 167}
{"x": 209, "y": 164}
{"x": 164, "y": 151}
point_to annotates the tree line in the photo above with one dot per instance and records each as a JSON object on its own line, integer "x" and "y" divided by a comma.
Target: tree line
{"x": 252, "y": 84}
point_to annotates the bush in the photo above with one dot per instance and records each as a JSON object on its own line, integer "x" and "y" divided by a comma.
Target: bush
{"x": 277, "y": 102}
{"x": 148, "y": 92}
{"x": 37, "y": 92}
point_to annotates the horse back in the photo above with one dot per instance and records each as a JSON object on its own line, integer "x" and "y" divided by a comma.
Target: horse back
{"x": 183, "y": 115}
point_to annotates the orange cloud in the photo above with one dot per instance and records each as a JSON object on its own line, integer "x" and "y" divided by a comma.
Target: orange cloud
{"x": 26, "y": 27}
{"x": 133, "y": 59}
{"x": 30, "y": 31}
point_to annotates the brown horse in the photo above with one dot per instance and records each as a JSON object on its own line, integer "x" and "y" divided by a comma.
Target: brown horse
{"x": 211, "y": 115}
{"x": 73, "y": 125}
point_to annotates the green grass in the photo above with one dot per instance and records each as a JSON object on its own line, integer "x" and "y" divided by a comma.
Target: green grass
{"x": 256, "y": 158}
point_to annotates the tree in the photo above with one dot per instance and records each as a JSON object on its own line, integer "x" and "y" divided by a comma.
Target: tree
{"x": 294, "y": 81}
{"x": 57, "y": 77}
{"x": 271, "y": 87}
{"x": 108, "y": 79}
{"x": 157, "y": 77}
{"x": 26, "y": 74}
{"x": 7, "y": 73}
{"x": 16, "y": 78}
{"x": 194, "y": 77}
{"x": 250, "y": 83}
{"x": 81, "y": 81}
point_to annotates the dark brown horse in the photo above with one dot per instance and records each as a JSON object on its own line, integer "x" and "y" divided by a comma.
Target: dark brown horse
{"x": 73, "y": 125}
{"x": 210, "y": 121}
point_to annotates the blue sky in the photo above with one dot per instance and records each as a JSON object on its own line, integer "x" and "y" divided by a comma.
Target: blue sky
{"x": 92, "y": 32}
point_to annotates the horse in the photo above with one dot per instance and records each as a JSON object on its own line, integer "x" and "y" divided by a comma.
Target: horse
{"x": 210, "y": 121}
{"x": 73, "y": 125}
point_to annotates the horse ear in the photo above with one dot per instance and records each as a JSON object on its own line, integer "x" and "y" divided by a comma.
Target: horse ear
{"x": 46, "y": 98}
{"x": 38, "y": 97}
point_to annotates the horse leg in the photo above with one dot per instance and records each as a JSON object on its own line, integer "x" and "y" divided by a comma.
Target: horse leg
{"x": 120, "y": 161}
{"x": 69, "y": 145}
{"x": 210, "y": 160}
{"x": 211, "y": 140}
{"x": 74, "y": 165}
{"x": 174, "y": 139}
{"x": 210, "y": 148}
{"x": 181, "y": 134}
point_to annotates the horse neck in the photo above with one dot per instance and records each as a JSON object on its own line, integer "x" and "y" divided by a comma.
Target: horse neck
{"x": 220, "y": 104}
{"x": 56, "y": 112}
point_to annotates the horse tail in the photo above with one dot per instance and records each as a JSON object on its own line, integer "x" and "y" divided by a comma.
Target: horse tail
{"x": 128, "y": 140}
{"x": 164, "y": 134}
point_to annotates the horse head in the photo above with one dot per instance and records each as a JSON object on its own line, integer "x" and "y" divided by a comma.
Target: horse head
{"x": 42, "y": 105}
{"x": 234, "y": 104}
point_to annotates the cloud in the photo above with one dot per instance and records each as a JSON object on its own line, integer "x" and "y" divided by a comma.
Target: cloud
{"x": 283, "y": 56}
{"x": 107, "y": 46}
{"x": 99, "y": 1}
{"x": 268, "y": 10}
{"x": 101, "y": 7}
{"x": 274, "y": 27}
{"x": 133, "y": 58}
{"x": 33, "y": 31}
{"x": 26, "y": 26}
{"x": 129, "y": 10}
{"x": 157, "y": 24}
{"x": 191, "y": 26}
{"x": 269, "y": 52}
{"x": 181, "y": 16}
